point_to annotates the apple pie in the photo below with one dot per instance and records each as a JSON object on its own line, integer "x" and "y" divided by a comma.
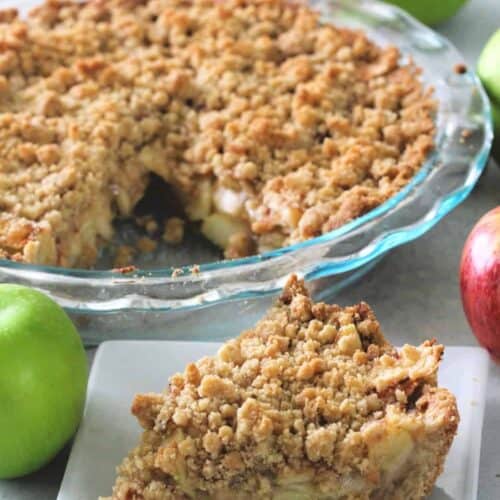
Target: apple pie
{"x": 271, "y": 126}
{"x": 312, "y": 403}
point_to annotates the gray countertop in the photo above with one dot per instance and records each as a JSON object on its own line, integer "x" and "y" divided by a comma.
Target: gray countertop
{"x": 414, "y": 282}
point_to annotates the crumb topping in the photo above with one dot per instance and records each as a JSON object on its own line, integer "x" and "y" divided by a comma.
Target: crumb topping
{"x": 313, "y": 394}
{"x": 253, "y": 110}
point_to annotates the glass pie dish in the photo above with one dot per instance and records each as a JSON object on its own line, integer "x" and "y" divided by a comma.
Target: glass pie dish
{"x": 157, "y": 301}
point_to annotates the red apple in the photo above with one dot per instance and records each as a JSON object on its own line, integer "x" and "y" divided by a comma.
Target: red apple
{"x": 480, "y": 281}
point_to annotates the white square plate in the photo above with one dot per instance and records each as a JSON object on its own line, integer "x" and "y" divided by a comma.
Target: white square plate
{"x": 122, "y": 369}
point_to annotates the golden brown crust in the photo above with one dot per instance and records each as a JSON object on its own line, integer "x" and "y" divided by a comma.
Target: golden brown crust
{"x": 312, "y": 401}
{"x": 269, "y": 125}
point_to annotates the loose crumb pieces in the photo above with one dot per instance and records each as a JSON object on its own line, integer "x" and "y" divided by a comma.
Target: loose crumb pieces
{"x": 240, "y": 245}
{"x": 176, "y": 273}
{"x": 460, "y": 68}
{"x": 125, "y": 270}
{"x": 124, "y": 256}
{"x": 151, "y": 227}
{"x": 148, "y": 223}
{"x": 174, "y": 231}
{"x": 146, "y": 245}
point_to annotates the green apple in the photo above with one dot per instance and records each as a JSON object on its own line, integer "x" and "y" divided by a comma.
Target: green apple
{"x": 43, "y": 380}
{"x": 488, "y": 69}
{"x": 430, "y": 11}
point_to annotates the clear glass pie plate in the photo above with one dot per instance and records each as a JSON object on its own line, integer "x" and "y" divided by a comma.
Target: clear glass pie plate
{"x": 158, "y": 301}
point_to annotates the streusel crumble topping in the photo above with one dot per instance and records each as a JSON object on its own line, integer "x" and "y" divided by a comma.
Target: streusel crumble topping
{"x": 271, "y": 126}
{"x": 312, "y": 400}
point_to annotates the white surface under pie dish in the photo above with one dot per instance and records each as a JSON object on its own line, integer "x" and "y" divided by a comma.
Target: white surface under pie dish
{"x": 119, "y": 306}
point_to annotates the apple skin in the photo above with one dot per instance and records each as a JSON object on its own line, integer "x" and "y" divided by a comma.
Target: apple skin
{"x": 480, "y": 281}
{"x": 488, "y": 69}
{"x": 430, "y": 12}
{"x": 43, "y": 379}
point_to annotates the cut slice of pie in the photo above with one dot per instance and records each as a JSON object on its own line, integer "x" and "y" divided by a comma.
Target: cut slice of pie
{"x": 311, "y": 403}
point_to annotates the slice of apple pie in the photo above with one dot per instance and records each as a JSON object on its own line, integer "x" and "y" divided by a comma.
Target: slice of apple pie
{"x": 311, "y": 403}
